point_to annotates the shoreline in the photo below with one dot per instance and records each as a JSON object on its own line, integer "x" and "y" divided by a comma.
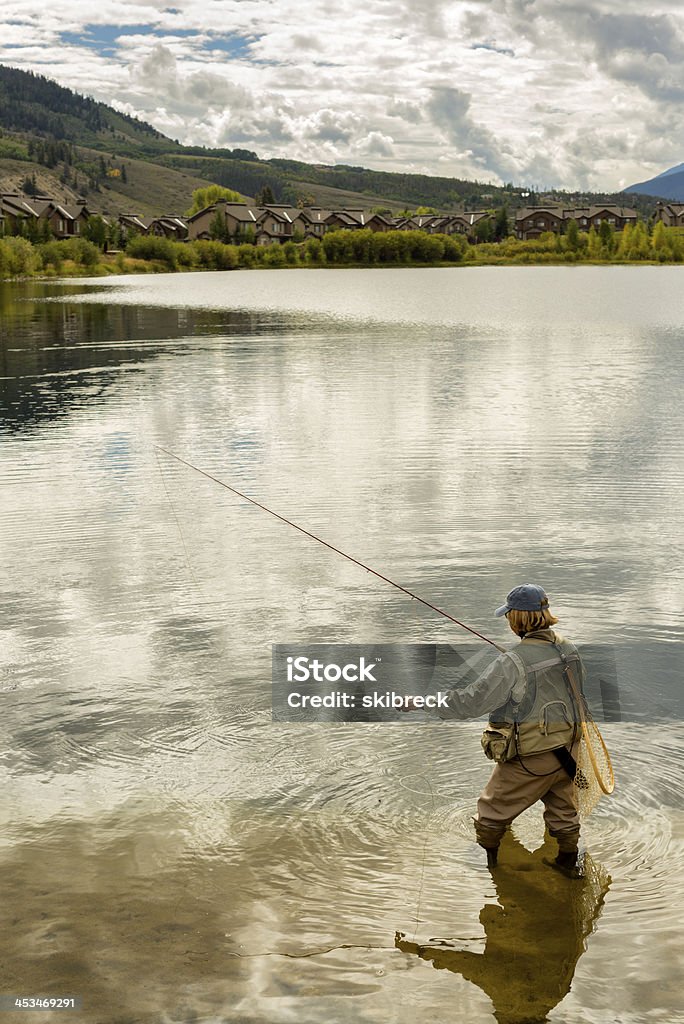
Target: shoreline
{"x": 152, "y": 267}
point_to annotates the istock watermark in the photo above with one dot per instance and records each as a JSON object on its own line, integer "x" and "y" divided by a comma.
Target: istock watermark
{"x": 372, "y": 682}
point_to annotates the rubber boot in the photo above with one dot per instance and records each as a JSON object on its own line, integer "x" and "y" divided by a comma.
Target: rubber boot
{"x": 488, "y": 837}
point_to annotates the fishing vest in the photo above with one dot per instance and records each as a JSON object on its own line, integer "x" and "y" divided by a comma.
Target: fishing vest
{"x": 545, "y": 717}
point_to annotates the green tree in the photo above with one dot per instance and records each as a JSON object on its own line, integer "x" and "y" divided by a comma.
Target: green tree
{"x": 247, "y": 255}
{"x": 150, "y": 247}
{"x": 217, "y": 228}
{"x": 593, "y": 244}
{"x": 203, "y": 197}
{"x": 115, "y": 238}
{"x": 272, "y": 255}
{"x": 291, "y": 252}
{"x": 659, "y": 238}
{"x": 607, "y": 236}
{"x": 264, "y": 196}
{"x": 45, "y": 233}
{"x": 483, "y": 230}
{"x": 625, "y": 242}
{"x": 32, "y": 228}
{"x": 572, "y": 235}
{"x": 455, "y": 247}
{"x": 21, "y": 256}
{"x": 640, "y": 246}
{"x": 501, "y": 226}
{"x": 95, "y": 230}
{"x": 314, "y": 250}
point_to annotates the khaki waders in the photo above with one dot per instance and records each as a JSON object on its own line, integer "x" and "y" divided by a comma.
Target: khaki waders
{"x": 512, "y": 788}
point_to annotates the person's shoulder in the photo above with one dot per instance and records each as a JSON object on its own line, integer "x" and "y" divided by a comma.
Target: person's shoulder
{"x": 566, "y": 645}
{"x": 509, "y": 652}
{"x": 512, "y": 657}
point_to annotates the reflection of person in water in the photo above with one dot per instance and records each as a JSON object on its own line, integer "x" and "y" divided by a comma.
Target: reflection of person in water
{"x": 534, "y": 937}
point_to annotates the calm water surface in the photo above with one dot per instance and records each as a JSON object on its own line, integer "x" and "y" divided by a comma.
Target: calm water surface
{"x": 169, "y": 853}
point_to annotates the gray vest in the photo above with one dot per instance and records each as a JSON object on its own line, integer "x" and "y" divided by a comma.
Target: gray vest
{"x": 545, "y": 716}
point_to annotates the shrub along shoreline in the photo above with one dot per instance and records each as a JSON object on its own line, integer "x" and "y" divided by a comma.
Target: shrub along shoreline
{"x": 79, "y": 257}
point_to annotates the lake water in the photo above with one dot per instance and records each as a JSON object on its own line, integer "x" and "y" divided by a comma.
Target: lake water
{"x": 170, "y": 854}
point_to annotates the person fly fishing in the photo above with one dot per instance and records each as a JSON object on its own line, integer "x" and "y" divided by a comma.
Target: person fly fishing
{"x": 541, "y": 732}
{"x": 533, "y": 732}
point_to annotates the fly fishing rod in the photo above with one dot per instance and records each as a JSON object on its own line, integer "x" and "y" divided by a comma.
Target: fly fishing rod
{"x": 332, "y": 547}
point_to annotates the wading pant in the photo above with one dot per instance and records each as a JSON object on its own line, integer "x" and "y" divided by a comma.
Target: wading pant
{"x": 512, "y": 789}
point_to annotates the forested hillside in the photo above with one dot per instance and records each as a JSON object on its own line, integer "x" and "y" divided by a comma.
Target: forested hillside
{"x": 37, "y": 106}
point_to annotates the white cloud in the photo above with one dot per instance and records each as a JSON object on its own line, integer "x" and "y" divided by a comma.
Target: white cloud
{"x": 566, "y": 92}
{"x": 449, "y": 109}
{"x": 376, "y": 144}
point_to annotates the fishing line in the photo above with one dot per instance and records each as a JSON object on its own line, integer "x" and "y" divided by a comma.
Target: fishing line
{"x": 338, "y": 551}
{"x": 425, "y": 842}
{"x": 180, "y": 531}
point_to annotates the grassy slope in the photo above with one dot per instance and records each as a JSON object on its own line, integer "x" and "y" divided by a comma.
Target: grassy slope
{"x": 219, "y": 170}
{"x": 335, "y": 198}
{"x": 152, "y": 189}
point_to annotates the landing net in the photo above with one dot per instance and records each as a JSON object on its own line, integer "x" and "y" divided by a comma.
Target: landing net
{"x": 594, "y": 775}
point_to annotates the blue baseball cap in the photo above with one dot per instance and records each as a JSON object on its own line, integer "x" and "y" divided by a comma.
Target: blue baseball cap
{"x": 528, "y": 597}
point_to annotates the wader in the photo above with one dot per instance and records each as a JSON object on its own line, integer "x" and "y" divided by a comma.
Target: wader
{"x": 545, "y": 719}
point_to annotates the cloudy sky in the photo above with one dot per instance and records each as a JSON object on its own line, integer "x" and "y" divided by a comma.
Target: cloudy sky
{"x": 583, "y": 94}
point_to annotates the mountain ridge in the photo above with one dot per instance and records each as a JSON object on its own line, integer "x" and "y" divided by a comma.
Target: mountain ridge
{"x": 668, "y": 184}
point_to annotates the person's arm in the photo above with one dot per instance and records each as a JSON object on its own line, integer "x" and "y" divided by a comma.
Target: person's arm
{"x": 499, "y": 681}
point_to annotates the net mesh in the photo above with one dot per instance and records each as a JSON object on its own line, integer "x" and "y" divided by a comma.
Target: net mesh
{"x": 594, "y": 774}
{"x": 588, "y": 790}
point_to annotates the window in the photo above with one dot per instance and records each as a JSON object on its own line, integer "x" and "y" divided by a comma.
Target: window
{"x": 583, "y": 221}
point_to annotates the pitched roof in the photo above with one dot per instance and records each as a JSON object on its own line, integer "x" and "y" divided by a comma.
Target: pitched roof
{"x": 596, "y": 208}
{"x": 381, "y": 217}
{"x": 470, "y": 217}
{"x": 353, "y": 217}
{"x": 75, "y": 210}
{"x": 132, "y": 219}
{"x": 72, "y": 212}
{"x": 278, "y": 213}
{"x": 315, "y": 214}
{"x": 169, "y": 221}
{"x": 14, "y": 205}
{"x": 239, "y": 211}
{"x": 534, "y": 211}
